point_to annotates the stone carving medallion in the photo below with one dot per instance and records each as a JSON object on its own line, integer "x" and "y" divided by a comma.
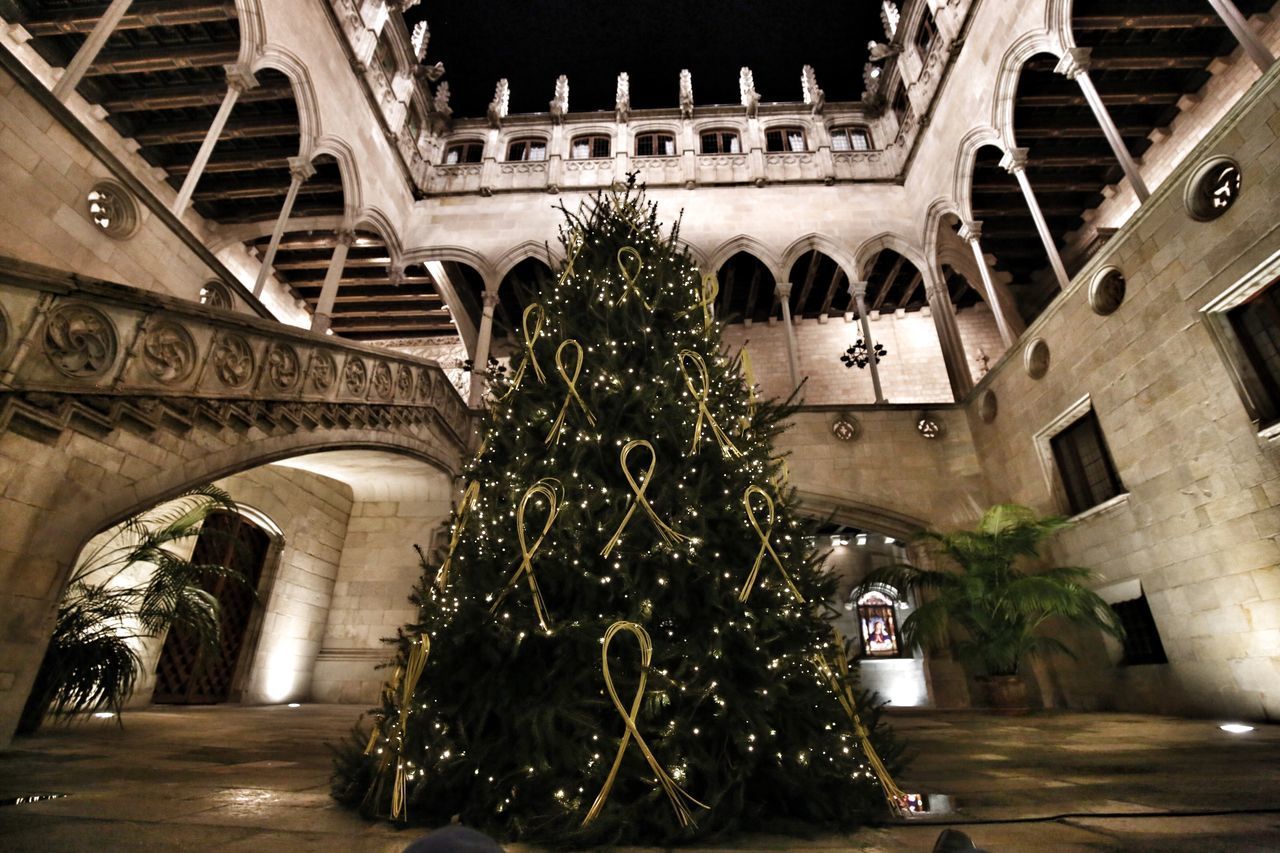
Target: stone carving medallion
{"x": 424, "y": 384}
{"x": 233, "y": 360}
{"x": 168, "y": 352}
{"x": 323, "y": 371}
{"x": 381, "y": 382}
{"x": 404, "y": 382}
{"x": 80, "y": 341}
{"x": 283, "y": 367}
{"x": 356, "y": 375}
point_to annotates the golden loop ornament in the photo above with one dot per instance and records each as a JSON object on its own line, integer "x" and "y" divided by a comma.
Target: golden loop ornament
{"x": 681, "y": 800}
{"x": 572, "y": 383}
{"x": 782, "y": 476}
{"x": 549, "y": 489}
{"x": 469, "y": 496}
{"x": 530, "y": 338}
{"x": 630, "y": 265}
{"x": 701, "y": 395}
{"x": 838, "y": 680}
{"x": 573, "y": 246}
{"x": 399, "y": 691}
{"x": 670, "y": 536}
{"x": 766, "y": 547}
{"x": 710, "y": 290}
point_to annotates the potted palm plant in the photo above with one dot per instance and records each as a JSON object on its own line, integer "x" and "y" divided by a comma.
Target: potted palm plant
{"x": 998, "y": 607}
{"x": 131, "y": 586}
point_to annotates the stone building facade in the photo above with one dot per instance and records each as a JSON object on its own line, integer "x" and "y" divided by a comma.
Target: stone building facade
{"x": 1006, "y": 331}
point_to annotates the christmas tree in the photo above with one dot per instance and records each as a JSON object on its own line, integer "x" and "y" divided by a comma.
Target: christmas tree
{"x": 625, "y": 639}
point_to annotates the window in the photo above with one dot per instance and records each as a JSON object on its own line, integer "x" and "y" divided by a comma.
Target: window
{"x": 850, "y": 139}
{"x": 1088, "y": 474}
{"x": 879, "y": 626}
{"x": 721, "y": 142}
{"x": 1257, "y": 325}
{"x": 385, "y": 56}
{"x": 464, "y": 152}
{"x": 588, "y": 147}
{"x": 532, "y": 148}
{"x": 112, "y": 209}
{"x": 785, "y": 139}
{"x": 655, "y": 145}
{"x": 1141, "y": 639}
{"x": 926, "y": 32}
{"x": 901, "y": 105}
{"x": 413, "y": 123}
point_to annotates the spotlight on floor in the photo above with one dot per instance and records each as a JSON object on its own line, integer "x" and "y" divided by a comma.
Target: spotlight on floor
{"x": 104, "y": 715}
{"x": 295, "y": 705}
{"x": 1236, "y": 728}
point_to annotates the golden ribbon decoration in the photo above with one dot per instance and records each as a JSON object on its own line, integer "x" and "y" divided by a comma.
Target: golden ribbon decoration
{"x": 468, "y": 496}
{"x": 701, "y": 395}
{"x": 680, "y": 799}
{"x": 710, "y": 290}
{"x": 670, "y": 536}
{"x": 631, "y": 274}
{"x": 782, "y": 477}
{"x": 572, "y": 382}
{"x": 413, "y": 668}
{"x": 573, "y": 245}
{"x": 749, "y": 374}
{"x": 839, "y": 682}
{"x": 765, "y": 545}
{"x": 548, "y": 488}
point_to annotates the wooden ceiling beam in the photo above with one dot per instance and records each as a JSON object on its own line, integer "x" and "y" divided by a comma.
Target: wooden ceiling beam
{"x": 194, "y": 131}
{"x": 145, "y": 60}
{"x": 912, "y": 288}
{"x": 195, "y": 95}
{"x": 753, "y": 292}
{"x": 888, "y": 282}
{"x": 1126, "y": 95}
{"x": 726, "y": 291}
{"x": 1083, "y": 130}
{"x": 810, "y": 274}
{"x": 394, "y": 330}
{"x": 266, "y": 190}
{"x": 286, "y": 263}
{"x": 833, "y": 288}
{"x": 239, "y": 161}
{"x": 139, "y": 16}
{"x": 1150, "y": 20}
{"x": 393, "y": 315}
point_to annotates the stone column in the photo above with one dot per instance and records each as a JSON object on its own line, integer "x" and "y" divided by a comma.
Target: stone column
{"x": 859, "y": 291}
{"x": 300, "y": 169}
{"x": 88, "y": 52}
{"x": 971, "y": 233}
{"x": 239, "y": 80}
{"x": 480, "y": 366}
{"x": 1074, "y": 65}
{"x": 944, "y": 320}
{"x": 329, "y": 292}
{"x": 1015, "y": 163}
{"x": 783, "y": 289}
{"x": 1254, "y": 46}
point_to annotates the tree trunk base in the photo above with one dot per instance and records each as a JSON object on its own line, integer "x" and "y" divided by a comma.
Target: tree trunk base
{"x": 1006, "y": 695}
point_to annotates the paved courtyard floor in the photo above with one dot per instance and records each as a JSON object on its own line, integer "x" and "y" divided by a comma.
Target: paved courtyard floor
{"x": 256, "y": 779}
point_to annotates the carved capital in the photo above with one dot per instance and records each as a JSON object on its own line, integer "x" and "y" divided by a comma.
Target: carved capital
{"x": 346, "y": 237}
{"x": 490, "y": 299}
{"x": 784, "y": 289}
{"x": 1074, "y": 62}
{"x": 396, "y": 274}
{"x": 240, "y": 78}
{"x": 858, "y": 290}
{"x": 1014, "y": 160}
{"x": 970, "y": 232}
{"x": 301, "y": 169}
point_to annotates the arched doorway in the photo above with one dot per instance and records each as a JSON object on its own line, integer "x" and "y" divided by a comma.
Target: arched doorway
{"x": 190, "y": 674}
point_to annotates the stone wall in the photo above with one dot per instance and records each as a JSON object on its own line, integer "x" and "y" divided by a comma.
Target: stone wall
{"x": 1199, "y": 524}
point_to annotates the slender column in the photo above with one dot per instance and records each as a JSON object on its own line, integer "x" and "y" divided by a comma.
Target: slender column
{"x": 300, "y": 169}
{"x": 1015, "y": 163}
{"x": 793, "y": 360}
{"x": 859, "y": 291}
{"x": 944, "y": 320}
{"x": 239, "y": 80}
{"x": 480, "y": 367}
{"x": 88, "y": 52}
{"x": 1254, "y": 46}
{"x": 971, "y": 233}
{"x": 1074, "y": 65}
{"x": 329, "y": 292}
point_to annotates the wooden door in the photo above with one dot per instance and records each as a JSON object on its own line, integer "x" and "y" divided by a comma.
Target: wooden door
{"x": 188, "y": 674}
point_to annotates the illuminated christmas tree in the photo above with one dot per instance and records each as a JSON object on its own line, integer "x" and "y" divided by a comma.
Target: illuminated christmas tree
{"x": 625, "y": 501}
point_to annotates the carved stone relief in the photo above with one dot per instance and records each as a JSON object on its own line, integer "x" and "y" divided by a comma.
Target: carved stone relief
{"x": 381, "y": 383}
{"x": 80, "y": 341}
{"x": 233, "y": 361}
{"x": 323, "y": 372}
{"x": 356, "y": 376}
{"x": 169, "y": 353}
{"x": 404, "y": 382}
{"x": 283, "y": 367}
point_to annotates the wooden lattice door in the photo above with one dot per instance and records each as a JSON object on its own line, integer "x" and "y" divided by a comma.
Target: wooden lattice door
{"x": 186, "y": 673}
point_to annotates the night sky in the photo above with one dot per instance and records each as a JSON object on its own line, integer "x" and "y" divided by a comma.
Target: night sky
{"x": 531, "y": 42}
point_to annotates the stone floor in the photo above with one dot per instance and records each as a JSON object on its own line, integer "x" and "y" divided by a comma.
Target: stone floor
{"x": 230, "y": 778}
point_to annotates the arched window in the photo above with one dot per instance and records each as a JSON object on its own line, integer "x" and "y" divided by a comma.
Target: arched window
{"x": 655, "y": 145}
{"x": 879, "y": 626}
{"x": 529, "y": 148}
{"x": 721, "y": 142}
{"x": 785, "y": 139}
{"x": 850, "y": 139}
{"x": 589, "y": 146}
{"x": 464, "y": 152}
{"x": 926, "y": 32}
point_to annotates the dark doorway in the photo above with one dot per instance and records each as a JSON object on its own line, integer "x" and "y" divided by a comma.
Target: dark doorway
{"x": 188, "y": 674}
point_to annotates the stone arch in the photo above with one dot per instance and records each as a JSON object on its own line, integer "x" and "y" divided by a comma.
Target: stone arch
{"x": 528, "y": 249}
{"x": 304, "y": 93}
{"x": 820, "y": 243}
{"x": 1006, "y": 88}
{"x": 750, "y": 245}
{"x": 866, "y": 253}
{"x": 854, "y": 513}
{"x": 252, "y": 30}
{"x": 938, "y": 210}
{"x": 962, "y": 184}
{"x": 378, "y": 222}
{"x": 460, "y": 254}
{"x": 341, "y": 151}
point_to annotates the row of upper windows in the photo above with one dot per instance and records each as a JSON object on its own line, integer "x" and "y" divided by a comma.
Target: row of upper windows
{"x": 591, "y": 146}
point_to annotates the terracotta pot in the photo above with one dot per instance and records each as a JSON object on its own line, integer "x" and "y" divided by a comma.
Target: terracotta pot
{"x": 1006, "y": 694}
